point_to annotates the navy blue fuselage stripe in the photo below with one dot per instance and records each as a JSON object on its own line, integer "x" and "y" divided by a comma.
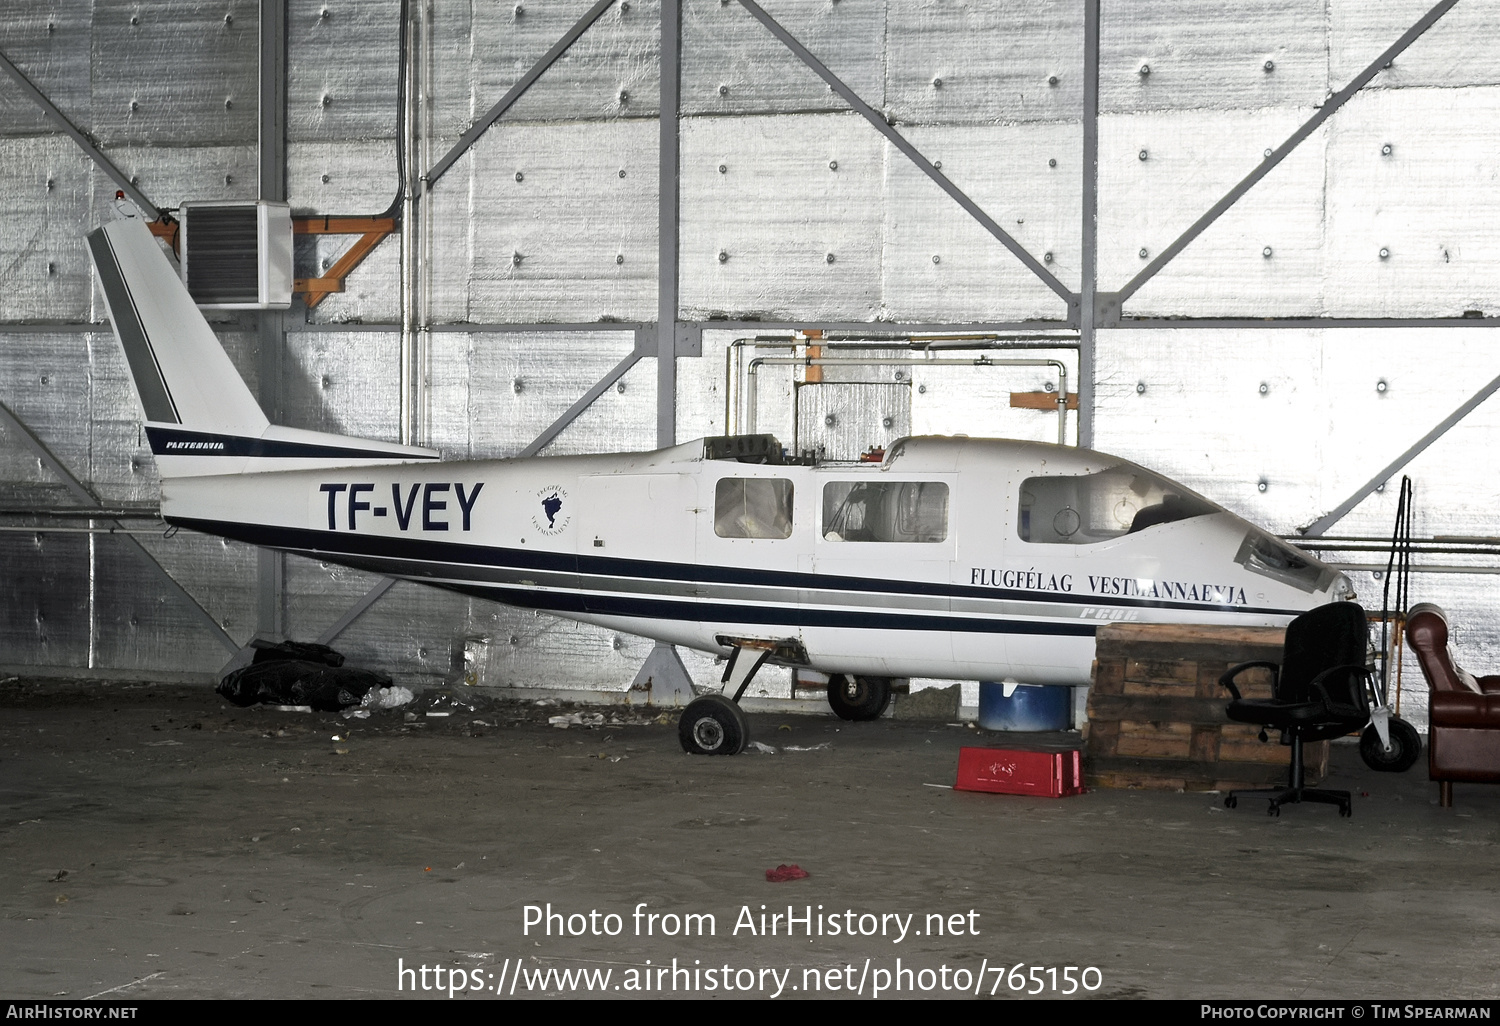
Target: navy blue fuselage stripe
{"x": 346, "y": 544}
{"x": 186, "y": 442}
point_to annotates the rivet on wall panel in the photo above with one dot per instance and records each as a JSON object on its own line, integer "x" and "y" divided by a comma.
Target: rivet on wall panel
{"x": 887, "y": 423}
{"x": 619, "y": 258}
{"x": 625, "y": 7}
{"x": 624, "y": 96}
{"x": 723, "y": 168}
{"x": 830, "y": 420}
{"x": 325, "y": 179}
{"x": 323, "y": 14}
{"x": 517, "y": 385}
{"x": 1144, "y": 253}
{"x": 615, "y": 643}
{"x": 515, "y": 260}
{"x": 1047, "y": 257}
{"x": 326, "y": 100}
{"x": 514, "y": 640}
{"x": 1140, "y": 388}
{"x": 1384, "y": 253}
{"x": 1379, "y": 488}
{"x": 520, "y": 176}
{"x": 1385, "y": 151}
{"x": 228, "y": 104}
{"x": 1268, "y": 151}
{"x": 1381, "y": 386}
{"x": 1266, "y": 252}
{"x": 900, "y": 375}
{"x": 723, "y": 89}
{"x": 922, "y": 389}
{"x": 1145, "y": 70}
{"x": 723, "y": 256}
{"x": 229, "y": 179}
{"x": 1052, "y": 80}
{"x": 1265, "y": 389}
{"x": 1262, "y": 485}
{"x": 829, "y": 258}
{"x": 936, "y": 259}
{"x": 620, "y": 388}
{"x": 229, "y": 19}
{"x": 1051, "y": 161}
{"x": 833, "y": 165}
{"x": 51, "y": 268}
{"x": 520, "y": 10}
{"x": 938, "y": 164}
{"x": 50, "y": 183}
{"x": 135, "y": 20}
{"x": 1269, "y": 65}
{"x": 622, "y": 172}
{"x": 1143, "y": 155}
{"x": 324, "y": 381}
{"x": 937, "y": 83}
{"x": 134, "y": 106}
{"x": 51, "y": 27}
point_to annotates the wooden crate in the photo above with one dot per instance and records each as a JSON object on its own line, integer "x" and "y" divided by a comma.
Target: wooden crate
{"x": 1156, "y": 711}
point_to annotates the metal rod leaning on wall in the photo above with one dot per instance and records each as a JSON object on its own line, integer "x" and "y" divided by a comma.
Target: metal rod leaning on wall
{"x": 1279, "y": 154}
{"x": 1089, "y": 225}
{"x": 84, "y": 142}
{"x": 582, "y": 403}
{"x": 81, "y": 492}
{"x": 900, "y": 142}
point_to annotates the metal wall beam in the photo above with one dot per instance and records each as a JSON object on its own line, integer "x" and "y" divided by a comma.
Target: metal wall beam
{"x": 516, "y": 91}
{"x": 84, "y": 496}
{"x": 668, "y": 158}
{"x": 1279, "y": 154}
{"x": 357, "y": 610}
{"x": 270, "y": 585}
{"x": 1322, "y": 524}
{"x": 84, "y": 141}
{"x": 913, "y": 154}
{"x": 1089, "y": 224}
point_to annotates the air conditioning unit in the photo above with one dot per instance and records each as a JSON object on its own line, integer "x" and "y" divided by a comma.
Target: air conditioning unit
{"x": 237, "y": 255}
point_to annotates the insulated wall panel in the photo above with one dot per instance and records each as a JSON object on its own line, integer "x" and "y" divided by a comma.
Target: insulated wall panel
{"x": 1158, "y": 173}
{"x": 342, "y": 69}
{"x": 494, "y": 393}
{"x": 1411, "y": 233}
{"x": 343, "y": 383}
{"x": 142, "y": 625}
{"x": 44, "y": 380}
{"x": 559, "y": 225}
{"x": 46, "y": 195}
{"x": 1197, "y": 55}
{"x": 612, "y": 71}
{"x": 171, "y": 176}
{"x": 44, "y": 600}
{"x": 1457, "y": 51}
{"x": 732, "y": 65}
{"x": 940, "y": 264}
{"x": 978, "y": 61}
{"x": 791, "y": 225}
{"x": 50, "y": 43}
{"x": 178, "y": 70}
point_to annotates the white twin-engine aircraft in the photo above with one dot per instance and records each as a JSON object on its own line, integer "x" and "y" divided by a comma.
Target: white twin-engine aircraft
{"x": 955, "y": 558}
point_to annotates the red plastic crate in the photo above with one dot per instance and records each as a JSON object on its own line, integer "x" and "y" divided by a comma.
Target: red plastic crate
{"x": 1006, "y": 771}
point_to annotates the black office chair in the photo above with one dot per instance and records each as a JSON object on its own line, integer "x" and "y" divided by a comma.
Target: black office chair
{"x": 1319, "y": 691}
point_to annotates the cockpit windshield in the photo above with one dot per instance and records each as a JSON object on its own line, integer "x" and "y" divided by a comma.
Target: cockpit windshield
{"x": 1096, "y": 507}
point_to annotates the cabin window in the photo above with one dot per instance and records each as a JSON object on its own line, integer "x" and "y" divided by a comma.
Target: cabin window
{"x": 1096, "y": 507}
{"x": 885, "y": 511}
{"x": 753, "y": 507}
{"x": 1262, "y": 554}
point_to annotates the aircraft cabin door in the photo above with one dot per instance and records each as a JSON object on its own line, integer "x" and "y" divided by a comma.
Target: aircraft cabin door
{"x": 637, "y": 542}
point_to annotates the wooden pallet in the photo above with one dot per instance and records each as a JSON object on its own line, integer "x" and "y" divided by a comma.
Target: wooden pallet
{"x": 1156, "y": 711}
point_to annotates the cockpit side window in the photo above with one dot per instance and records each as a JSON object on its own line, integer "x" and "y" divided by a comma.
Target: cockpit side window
{"x": 753, "y": 507}
{"x": 1096, "y": 507}
{"x": 885, "y": 511}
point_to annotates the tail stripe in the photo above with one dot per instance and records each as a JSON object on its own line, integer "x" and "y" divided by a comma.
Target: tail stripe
{"x": 144, "y": 368}
{"x": 167, "y": 441}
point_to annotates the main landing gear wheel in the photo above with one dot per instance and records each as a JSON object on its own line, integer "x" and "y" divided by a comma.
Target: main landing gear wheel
{"x": 713, "y": 725}
{"x": 1406, "y": 746}
{"x": 858, "y": 698}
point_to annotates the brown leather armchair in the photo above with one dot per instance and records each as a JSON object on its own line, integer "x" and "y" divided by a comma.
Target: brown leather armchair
{"x": 1463, "y": 733}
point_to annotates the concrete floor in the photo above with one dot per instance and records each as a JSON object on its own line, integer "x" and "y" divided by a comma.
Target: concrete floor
{"x": 158, "y": 844}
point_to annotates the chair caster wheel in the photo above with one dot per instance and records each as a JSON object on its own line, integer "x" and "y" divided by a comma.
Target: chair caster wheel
{"x": 1274, "y": 810}
{"x": 1231, "y": 802}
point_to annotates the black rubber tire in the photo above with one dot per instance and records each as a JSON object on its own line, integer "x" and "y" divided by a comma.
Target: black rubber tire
{"x": 1406, "y": 747}
{"x": 858, "y": 698}
{"x": 713, "y": 725}
{"x": 1231, "y": 802}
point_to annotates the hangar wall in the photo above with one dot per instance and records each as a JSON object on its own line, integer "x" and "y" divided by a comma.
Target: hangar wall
{"x": 1373, "y": 244}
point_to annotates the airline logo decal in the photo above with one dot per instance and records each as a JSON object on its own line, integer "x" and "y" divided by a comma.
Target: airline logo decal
{"x": 433, "y": 506}
{"x": 553, "y": 511}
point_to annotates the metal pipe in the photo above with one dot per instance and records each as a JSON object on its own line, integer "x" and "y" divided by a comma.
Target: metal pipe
{"x": 896, "y": 361}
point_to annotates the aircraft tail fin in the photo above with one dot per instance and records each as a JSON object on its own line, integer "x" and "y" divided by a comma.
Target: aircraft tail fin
{"x": 201, "y": 418}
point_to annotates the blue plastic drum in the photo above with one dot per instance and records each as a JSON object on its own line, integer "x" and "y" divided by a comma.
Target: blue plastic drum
{"x": 1030, "y": 707}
